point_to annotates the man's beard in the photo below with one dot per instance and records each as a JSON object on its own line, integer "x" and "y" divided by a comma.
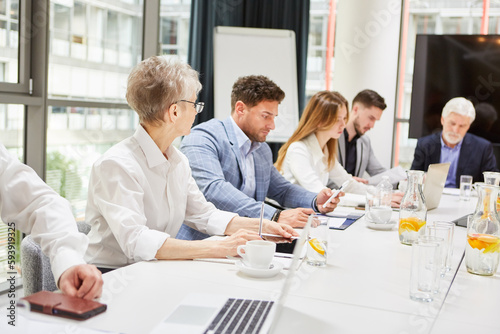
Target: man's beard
{"x": 452, "y": 137}
{"x": 357, "y": 128}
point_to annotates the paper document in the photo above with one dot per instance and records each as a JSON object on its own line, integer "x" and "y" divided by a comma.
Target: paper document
{"x": 345, "y": 212}
{"x": 395, "y": 174}
{"x": 335, "y": 222}
{"x": 352, "y": 200}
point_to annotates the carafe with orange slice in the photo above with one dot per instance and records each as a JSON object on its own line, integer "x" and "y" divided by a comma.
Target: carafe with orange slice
{"x": 482, "y": 251}
{"x": 412, "y": 212}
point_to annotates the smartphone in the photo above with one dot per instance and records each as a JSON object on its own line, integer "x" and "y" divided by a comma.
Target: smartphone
{"x": 57, "y": 304}
{"x": 337, "y": 192}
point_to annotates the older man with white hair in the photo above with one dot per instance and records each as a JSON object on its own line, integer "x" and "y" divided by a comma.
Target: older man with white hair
{"x": 467, "y": 154}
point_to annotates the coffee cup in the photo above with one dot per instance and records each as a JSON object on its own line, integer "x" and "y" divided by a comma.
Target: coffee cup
{"x": 257, "y": 254}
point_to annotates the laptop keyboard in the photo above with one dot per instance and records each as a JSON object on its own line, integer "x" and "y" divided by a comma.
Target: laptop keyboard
{"x": 240, "y": 316}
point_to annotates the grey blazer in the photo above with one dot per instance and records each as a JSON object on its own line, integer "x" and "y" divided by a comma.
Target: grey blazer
{"x": 365, "y": 158}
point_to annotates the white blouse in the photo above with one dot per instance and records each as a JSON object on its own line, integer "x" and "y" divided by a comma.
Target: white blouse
{"x": 31, "y": 206}
{"x": 306, "y": 164}
{"x": 138, "y": 198}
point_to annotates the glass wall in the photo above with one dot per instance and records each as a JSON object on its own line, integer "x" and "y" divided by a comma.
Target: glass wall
{"x": 93, "y": 47}
{"x": 9, "y": 41}
{"x": 174, "y": 27}
{"x": 76, "y": 138}
{"x": 11, "y": 136}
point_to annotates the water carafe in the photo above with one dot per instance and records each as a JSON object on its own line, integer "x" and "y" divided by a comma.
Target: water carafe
{"x": 482, "y": 251}
{"x": 413, "y": 211}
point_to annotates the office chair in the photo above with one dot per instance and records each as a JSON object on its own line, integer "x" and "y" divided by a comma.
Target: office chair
{"x": 36, "y": 269}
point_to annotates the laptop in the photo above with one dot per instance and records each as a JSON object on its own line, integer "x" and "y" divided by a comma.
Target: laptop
{"x": 211, "y": 313}
{"x": 434, "y": 184}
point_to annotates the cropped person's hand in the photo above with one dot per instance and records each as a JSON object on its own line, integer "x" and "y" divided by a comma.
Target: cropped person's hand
{"x": 229, "y": 245}
{"x": 361, "y": 180}
{"x": 323, "y": 196}
{"x": 396, "y": 199}
{"x": 295, "y": 217}
{"x": 284, "y": 230}
{"x": 82, "y": 281}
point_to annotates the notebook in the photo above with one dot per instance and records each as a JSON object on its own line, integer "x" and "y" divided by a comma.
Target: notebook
{"x": 434, "y": 184}
{"x": 211, "y": 313}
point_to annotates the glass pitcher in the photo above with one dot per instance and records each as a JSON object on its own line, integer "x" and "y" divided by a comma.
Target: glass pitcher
{"x": 482, "y": 251}
{"x": 413, "y": 211}
{"x": 494, "y": 179}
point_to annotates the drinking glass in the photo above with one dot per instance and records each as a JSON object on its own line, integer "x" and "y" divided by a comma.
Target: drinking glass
{"x": 444, "y": 230}
{"x": 465, "y": 187}
{"x": 317, "y": 245}
{"x": 425, "y": 268}
{"x": 377, "y": 209}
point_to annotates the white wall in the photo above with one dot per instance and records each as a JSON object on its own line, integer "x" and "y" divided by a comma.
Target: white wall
{"x": 366, "y": 57}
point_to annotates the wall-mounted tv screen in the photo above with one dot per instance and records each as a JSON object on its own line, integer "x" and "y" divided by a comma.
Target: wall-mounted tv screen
{"x": 448, "y": 66}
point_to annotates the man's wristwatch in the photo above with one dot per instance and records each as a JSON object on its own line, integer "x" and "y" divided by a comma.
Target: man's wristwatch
{"x": 276, "y": 215}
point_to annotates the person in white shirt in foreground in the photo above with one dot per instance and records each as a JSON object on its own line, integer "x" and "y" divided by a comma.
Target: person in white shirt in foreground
{"x": 141, "y": 190}
{"x": 29, "y": 205}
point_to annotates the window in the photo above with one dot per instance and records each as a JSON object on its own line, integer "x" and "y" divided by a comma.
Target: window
{"x": 9, "y": 41}
{"x": 94, "y": 47}
{"x": 76, "y": 139}
{"x": 11, "y": 136}
{"x": 174, "y": 27}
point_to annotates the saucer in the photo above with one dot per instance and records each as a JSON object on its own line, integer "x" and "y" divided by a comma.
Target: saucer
{"x": 273, "y": 270}
{"x": 382, "y": 227}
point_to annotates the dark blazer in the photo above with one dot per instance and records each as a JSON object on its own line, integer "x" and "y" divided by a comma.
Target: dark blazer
{"x": 476, "y": 156}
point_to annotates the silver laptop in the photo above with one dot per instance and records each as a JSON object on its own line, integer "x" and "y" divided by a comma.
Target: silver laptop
{"x": 434, "y": 184}
{"x": 211, "y": 313}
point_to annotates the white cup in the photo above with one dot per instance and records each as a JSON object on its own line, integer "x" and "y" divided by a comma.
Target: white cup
{"x": 257, "y": 253}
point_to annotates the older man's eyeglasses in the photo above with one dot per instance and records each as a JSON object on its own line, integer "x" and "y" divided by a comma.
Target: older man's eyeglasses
{"x": 198, "y": 106}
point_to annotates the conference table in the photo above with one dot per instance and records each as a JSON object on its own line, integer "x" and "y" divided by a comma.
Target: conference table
{"x": 364, "y": 288}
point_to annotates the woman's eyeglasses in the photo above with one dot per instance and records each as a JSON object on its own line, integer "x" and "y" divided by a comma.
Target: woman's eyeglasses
{"x": 198, "y": 106}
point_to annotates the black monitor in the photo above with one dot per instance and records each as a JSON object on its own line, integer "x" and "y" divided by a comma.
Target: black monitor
{"x": 448, "y": 66}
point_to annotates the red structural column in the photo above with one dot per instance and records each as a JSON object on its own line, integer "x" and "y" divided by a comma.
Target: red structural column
{"x": 330, "y": 43}
{"x": 486, "y": 17}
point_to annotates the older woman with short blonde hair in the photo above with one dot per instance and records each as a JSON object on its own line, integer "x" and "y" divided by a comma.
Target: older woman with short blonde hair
{"x": 141, "y": 190}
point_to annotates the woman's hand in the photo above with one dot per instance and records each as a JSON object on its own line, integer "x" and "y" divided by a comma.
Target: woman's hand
{"x": 229, "y": 245}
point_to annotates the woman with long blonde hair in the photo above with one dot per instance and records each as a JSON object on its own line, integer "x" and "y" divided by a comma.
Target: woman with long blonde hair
{"x": 309, "y": 157}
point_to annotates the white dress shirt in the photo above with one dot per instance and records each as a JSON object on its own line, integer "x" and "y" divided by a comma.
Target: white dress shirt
{"x": 138, "y": 198}
{"x": 34, "y": 208}
{"x": 306, "y": 164}
{"x": 246, "y": 149}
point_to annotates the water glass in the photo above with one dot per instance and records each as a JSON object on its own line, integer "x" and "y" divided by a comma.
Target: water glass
{"x": 465, "y": 187}
{"x": 376, "y": 211}
{"x": 444, "y": 230}
{"x": 317, "y": 242}
{"x": 425, "y": 268}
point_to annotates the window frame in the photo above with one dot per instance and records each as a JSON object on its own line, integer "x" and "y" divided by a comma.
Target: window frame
{"x": 26, "y": 29}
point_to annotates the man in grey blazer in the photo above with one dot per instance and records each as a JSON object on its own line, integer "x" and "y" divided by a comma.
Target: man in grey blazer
{"x": 233, "y": 166}
{"x": 355, "y": 152}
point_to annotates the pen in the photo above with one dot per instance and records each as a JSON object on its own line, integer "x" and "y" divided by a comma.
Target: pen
{"x": 336, "y": 192}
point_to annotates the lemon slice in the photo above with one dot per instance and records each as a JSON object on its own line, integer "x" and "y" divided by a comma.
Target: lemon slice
{"x": 316, "y": 245}
{"x": 405, "y": 226}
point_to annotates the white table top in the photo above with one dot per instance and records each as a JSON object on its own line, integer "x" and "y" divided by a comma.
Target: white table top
{"x": 364, "y": 288}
